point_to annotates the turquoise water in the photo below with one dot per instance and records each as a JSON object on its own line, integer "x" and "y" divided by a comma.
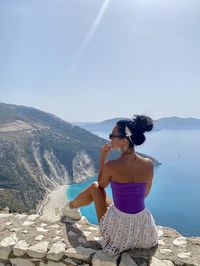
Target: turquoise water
{"x": 174, "y": 199}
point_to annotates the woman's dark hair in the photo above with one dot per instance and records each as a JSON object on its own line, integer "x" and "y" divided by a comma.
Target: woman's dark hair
{"x": 138, "y": 125}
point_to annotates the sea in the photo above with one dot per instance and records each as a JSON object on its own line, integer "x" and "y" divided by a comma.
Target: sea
{"x": 174, "y": 199}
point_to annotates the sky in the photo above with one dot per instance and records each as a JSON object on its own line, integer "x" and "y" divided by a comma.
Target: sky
{"x": 92, "y": 60}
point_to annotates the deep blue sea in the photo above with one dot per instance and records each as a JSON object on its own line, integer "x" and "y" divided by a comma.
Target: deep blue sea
{"x": 174, "y": 199}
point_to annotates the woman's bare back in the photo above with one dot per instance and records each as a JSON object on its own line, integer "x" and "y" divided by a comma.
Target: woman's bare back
{"x": 133, "y": 169}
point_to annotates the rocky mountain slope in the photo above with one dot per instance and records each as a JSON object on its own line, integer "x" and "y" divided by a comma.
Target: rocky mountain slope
{"x": 39, "y": 151}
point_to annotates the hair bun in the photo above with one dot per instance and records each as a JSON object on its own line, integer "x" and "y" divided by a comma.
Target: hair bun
{"x": 142, "y": 123}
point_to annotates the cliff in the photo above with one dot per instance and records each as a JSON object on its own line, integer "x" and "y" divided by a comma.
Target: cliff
{"x": 38, "y": 152}
{"x": 29, "y": 240}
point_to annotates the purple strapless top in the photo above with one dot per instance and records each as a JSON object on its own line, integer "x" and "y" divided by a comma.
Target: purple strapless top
{"x": 128, "y": 197}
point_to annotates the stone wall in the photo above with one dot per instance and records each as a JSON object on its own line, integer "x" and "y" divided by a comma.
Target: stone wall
{"x": 29, "y": 240}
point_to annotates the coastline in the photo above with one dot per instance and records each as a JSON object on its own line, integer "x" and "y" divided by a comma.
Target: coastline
{"x": 50, "y": 208}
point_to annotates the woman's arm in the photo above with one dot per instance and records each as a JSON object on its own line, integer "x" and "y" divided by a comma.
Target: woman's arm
{"x": 103, "y": 153}
{"x": 148, "y": 187}
{"x": 102, "y": 161}
{"x": 104, "y": 177}
{"x": 150, "y": 179}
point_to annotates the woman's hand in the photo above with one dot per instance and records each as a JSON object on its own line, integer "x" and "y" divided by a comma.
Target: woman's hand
{"x": 105, "y": 150}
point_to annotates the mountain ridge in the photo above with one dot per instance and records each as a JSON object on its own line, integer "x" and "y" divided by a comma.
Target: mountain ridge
{"x": 172, "y": 122}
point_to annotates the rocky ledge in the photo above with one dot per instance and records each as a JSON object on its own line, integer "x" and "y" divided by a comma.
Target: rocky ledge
{"x": 29, "y": 240}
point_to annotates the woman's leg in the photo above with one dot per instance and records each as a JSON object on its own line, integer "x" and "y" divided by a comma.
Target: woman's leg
{"x": 90, "y": 194}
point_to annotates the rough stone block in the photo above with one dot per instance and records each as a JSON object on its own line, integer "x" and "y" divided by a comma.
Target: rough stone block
{"x": 39, "y": 250}
{"x": 56, "y": 252}
{"x": 6, "y": 246}
{"x": 180, "y": 242}
{"x": 20, "y": 248}
{"x": 157, "y": 262}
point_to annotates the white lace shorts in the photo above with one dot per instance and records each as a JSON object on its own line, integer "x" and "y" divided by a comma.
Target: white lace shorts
{"x": 120, "y": 231}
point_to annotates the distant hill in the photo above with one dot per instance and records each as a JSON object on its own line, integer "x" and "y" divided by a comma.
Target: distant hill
{"x": 104, "y": 126}
{"x": 177, "y": 123}
{"x": 173, "y": 123}
{"x": 39, "y": 151}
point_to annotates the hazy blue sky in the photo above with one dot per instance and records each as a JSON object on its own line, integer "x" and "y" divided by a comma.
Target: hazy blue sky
{"x": 90, "y": 60}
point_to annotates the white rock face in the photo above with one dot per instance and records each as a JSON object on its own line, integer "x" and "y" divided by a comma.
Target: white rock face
{"x": 58, "y": 232}
{"x": 157, "y": 262}
{"x": 39, "y": 237}
{"x": 55, "y": 226}
{"x": 79, "y": 252}
{"x": 14, "y": 229}
{"x": 6, "y": 246}
{"x": 185, "y": 255}
{"x": 161, "y": 242}
{"x": 180, "y": 242}
{"x": 39, "y": 250}
{"x": 20, "y": 248}
{"x": 43, "y": 225}
{"x": 20, "y": 216}
{"x": 58, "y": 172}
{"x": 100, "y": 258}
{"x": 21, "y": 262}
{"x": 41, "y": 229}
{"x": 33, "y": 217}
{"x": 160, "y": 233}
{"x": 82, "y": 167}
{"x": 5, "y": 215}
{"x": 126, "y": 260}
{"x": 56, "y": 252}
{"x": 27, "y": 223}
{"x": 165, "y": 251}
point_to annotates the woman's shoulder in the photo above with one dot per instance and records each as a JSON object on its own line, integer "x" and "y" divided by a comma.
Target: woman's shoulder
{"x": 145, "y": 160}
{"x": 146, "y": 164}
{"x": 112, "y": 162}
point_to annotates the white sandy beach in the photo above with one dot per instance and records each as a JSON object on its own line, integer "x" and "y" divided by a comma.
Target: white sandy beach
{"x": 51, "y": 207}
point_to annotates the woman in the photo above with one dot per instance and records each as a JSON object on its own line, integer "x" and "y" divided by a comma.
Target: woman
{"x": 126, "y": 222}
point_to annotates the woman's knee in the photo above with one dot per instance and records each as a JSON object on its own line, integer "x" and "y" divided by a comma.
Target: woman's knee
{"x": 95, "y": 186}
